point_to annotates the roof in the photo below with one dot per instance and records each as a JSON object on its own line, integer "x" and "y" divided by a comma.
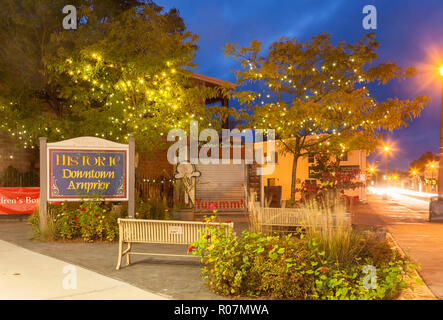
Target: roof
{"x": 212, "y": 81}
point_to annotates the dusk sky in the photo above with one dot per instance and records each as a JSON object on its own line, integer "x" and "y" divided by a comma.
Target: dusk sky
{"x": 409, "y": 32}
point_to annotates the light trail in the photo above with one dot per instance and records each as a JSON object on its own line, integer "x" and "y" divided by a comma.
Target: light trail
{"x": 400, "y": 191}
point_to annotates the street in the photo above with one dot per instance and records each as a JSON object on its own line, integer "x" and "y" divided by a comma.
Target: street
{"x": 406, "y": 215}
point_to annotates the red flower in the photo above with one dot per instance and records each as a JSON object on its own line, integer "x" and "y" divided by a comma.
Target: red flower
{"x": 270, "y": 248}
{"x": 86, "y": 228}
{"x": 324, "y": 270}
{"x": 212, "y": 206}
{"x": 75, "y": 218}
{"x": 95, "y": 215}
{"x": 191, "y": 248}
{"x": 83, "y": 209}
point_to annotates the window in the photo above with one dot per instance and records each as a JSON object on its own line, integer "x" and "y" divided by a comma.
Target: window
{"x": 311, "y": 158}
{"x": 265, "y": 155}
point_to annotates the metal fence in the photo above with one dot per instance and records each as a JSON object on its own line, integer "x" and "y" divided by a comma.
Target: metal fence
{"x": 11, "y": 177}
{"x": 157, "y": 188}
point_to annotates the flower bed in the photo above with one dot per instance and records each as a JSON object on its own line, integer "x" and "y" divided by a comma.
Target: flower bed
{"x": 91, "y": 220}
{"x": 301, "y": 266}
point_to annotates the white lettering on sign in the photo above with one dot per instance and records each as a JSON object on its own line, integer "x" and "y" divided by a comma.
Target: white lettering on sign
{"x": 175, "y": 230}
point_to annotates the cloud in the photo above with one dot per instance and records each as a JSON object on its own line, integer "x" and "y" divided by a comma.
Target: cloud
{"x": 406, "y": 30}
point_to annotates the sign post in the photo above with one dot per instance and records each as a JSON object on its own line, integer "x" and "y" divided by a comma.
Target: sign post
{"x": 131, "y": 177}
{"x": 43, "y": 184}
{"x": 87, "y": 168}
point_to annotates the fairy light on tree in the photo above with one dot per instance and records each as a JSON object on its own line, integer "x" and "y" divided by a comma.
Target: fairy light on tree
{"x": 100, "y": 81}
{"x": 315, "y": 94}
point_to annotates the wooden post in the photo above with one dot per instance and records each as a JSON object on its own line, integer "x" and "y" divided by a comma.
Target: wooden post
{"x": 131, "y": 178}
{"x": 43, "y": 184}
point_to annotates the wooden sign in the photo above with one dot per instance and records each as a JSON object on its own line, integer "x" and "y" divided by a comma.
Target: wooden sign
{"x": 87, "y": 167}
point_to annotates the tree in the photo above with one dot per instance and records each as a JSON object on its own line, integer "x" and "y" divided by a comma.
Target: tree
{"x": 420, "y": 164}
{"x": 125, "y": 69}
{"x": 315, "y": 94}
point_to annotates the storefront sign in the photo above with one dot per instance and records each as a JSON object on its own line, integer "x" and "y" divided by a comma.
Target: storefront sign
{"x": 348, "y": 169}
{"x": 210, "y": 205}
{"x": 84, "y": 173}
{"x": 221, "y": 187}
{"x": 19, "y": 200}
{"x": 313, "y": 174}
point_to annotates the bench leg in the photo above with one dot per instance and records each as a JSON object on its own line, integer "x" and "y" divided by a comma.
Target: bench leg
{"x": 128, "y": 256}
{"x": 120, "y": 254}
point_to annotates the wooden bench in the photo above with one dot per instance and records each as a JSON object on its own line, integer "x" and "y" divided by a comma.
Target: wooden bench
{"x": 159, "y": 231}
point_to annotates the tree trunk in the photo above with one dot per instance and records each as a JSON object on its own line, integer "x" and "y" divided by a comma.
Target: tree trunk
{"x": 294, "y": 176}
{"x": 337, "y": 164}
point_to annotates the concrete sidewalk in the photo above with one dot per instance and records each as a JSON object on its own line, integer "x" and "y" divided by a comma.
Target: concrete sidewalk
{"x": 25, "y": 274}
{"x": 406, "y": 219}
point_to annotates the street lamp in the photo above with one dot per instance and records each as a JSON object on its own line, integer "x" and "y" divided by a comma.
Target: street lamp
{"x": 436, "y": 205}
{"x": 372, "y": 172}
{"x": 440, "y": 166}
{"x": 432, "y": 176}
{"x": 432, "y": 166}
{"x": 386, "y": 148}
{"x": 414, "y": 178}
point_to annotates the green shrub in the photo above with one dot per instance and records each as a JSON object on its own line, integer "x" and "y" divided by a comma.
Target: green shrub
{"x": 51, "y": 226}
{"x": 90, "y": 220}
{"x": 295, "y": 267}
{"x": 34, "y": 222}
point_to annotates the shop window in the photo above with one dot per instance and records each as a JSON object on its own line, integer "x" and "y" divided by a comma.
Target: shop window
{"x": 311, "y": 158}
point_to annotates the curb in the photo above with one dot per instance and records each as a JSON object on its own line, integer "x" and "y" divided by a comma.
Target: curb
{"x": 421, "y": 290}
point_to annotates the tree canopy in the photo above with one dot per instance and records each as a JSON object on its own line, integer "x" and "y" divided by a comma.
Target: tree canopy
{"x": 315, "y": 94}
{"x": 420, "y": 164}
{"x": 125, "y": 69}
